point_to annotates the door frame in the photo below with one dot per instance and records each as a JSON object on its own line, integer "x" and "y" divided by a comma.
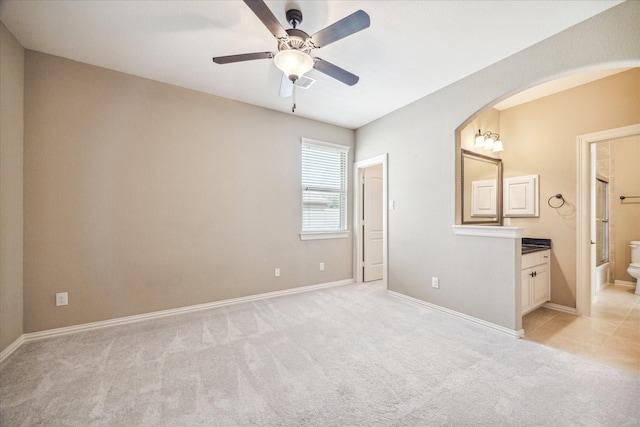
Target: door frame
{"x": 583, "y": 217}
{"x": 357, "y": 215}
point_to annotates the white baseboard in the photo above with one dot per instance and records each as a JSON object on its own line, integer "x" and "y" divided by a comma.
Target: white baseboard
{"x": 558, "y": 307}
{"x": 158, "y": 314}
{"x": 11, "y": 348}
{"x": 624, "y": 283}
{"x": 497, "y": 328}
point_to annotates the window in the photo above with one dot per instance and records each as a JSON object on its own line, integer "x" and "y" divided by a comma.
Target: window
{"x": 324, "y": 190}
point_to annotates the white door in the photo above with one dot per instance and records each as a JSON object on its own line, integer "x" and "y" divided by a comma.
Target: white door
{"x": 372, "y": 220}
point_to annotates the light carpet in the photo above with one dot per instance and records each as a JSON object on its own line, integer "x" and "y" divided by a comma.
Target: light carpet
{"x": 345, "y": 356}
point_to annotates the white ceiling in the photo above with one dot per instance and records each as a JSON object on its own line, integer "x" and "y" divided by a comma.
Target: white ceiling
{"x": 412, "y": 49}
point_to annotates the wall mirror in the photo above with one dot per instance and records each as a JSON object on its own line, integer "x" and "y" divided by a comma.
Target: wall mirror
{"x": 481, "y": 185}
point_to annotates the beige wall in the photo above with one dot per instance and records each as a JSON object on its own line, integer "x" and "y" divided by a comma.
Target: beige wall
{"x": 11, "y": 181}
{"x": 625, "y": 215}
{"x": 141, "y": 196}
{"x": 478, "y": 275}
{"x": 540, "y": 138}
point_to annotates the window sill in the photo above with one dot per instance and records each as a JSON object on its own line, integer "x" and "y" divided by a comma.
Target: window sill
{"x": 324, "y": 235}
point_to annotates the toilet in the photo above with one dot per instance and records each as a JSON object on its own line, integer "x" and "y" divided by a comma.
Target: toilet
{"x": 634, "y": 267}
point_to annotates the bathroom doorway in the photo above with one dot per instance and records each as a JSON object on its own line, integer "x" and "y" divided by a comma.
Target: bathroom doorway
{"x": 587, "y": 233}
{"x": 601, "y": 169}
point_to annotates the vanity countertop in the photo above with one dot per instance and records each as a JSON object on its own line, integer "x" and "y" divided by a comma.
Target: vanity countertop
{"x": 530, "y": 244}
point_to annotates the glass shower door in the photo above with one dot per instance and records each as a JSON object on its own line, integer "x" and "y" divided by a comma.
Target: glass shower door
{"x": 602, "y": 221}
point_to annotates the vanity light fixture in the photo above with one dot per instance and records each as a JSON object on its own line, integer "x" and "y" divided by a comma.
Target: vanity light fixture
{"x": 489, "y": 141}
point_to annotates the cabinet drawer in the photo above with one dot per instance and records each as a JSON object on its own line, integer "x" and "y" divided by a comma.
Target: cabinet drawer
{"x": 535, "y": 258}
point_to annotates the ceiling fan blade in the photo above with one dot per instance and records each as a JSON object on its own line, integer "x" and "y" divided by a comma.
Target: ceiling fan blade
{"x": 242, "y": 57}
{"x": 336, "y": 72}
{"x": 353, "y": 23}
{"x": 286, "y": 87}
{"x": 263, "y": 13}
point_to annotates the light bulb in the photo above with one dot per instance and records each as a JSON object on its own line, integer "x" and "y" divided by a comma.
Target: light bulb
{"x": 479, "y": 140}
{"x": 488, "y": 143}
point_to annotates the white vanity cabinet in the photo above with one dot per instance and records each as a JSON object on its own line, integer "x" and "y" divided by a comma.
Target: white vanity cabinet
{"x": 536, "y": 285}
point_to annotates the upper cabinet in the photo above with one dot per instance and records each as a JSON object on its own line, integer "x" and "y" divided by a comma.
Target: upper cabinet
{"x": 521, "y": 196}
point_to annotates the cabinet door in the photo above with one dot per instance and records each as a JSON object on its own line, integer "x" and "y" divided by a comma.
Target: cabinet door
{"x": 540, "y": 285}
{"x": 483, "y": 198}
{"x": 526, "y": 290}
{"x": 521, "y": 196}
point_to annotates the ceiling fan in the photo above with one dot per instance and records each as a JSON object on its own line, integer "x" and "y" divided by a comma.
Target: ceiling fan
{"x": 294, "y": 46}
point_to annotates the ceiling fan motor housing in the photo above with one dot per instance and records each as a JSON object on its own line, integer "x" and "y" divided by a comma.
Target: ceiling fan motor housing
{"x": 294, "y": 17}
{"x": 296, "y": 39}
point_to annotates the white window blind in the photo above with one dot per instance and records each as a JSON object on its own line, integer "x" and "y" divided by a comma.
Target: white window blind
{"x": 324, "y": 187}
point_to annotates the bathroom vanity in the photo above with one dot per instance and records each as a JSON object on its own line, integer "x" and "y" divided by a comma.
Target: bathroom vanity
{"x": 535, "y": 277}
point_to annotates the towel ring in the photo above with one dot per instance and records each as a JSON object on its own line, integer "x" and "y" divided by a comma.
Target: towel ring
{"x": 557, "y": 196}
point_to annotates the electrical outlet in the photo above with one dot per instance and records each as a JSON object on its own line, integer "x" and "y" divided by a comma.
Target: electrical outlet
{"x": 62, "y": 298}
{"x": 507, "y": 222}
{"x": 322, "y": 266}
{"x": 435, "y": 282}
{"x": 277, "y": 272}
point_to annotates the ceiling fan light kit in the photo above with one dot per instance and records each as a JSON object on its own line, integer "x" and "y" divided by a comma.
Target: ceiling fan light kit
{"x": 294, "y": 46}
{"x": 293, "y": 63}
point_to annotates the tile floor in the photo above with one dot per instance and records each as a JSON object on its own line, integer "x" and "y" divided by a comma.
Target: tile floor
{"x": 611, "y": 335}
